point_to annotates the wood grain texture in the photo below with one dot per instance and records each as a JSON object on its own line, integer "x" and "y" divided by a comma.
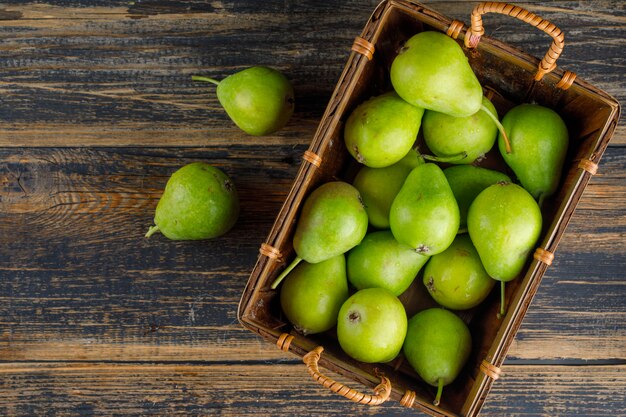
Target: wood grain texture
{"x": 79, "y": 73}
{"x": 78, "y": 215}
{"x": 98, "y": 110}
{"x": 261, "y": 389}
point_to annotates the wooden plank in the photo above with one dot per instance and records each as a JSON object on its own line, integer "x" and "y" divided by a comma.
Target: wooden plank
{"x": 81, "y": 282}
{"x": 244, "y": 389}
{"x": 96, "y": 320}
{"x": 80, "y": 74}
{"x": 59, "y": 186}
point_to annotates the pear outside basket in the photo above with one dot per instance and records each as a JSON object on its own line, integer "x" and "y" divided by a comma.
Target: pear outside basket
{"x": 509, "y": 77}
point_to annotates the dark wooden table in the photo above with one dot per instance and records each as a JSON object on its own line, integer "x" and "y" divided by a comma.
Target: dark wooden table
{"x": 97, "y": 109}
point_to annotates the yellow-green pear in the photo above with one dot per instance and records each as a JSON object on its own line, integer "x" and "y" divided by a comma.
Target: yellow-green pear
{"x": 260, "y": 100}
{"x": 424, "y": 215}
{"x": 539, "y": 141}
{"x": 333, "y": 220}
{"x": 379, "y": 186}
{"x": 504, "y": 223}
{"x": 431, "y": 71}
{"x": 199, "y": 202}
{"x": 312, "y": 294}
{"x": 437, "y": 345}
{"x": 382, "y": 130}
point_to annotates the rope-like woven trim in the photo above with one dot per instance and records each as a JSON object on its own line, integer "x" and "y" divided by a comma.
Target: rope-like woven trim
{"x": 408, "y": 399}
{"x": 476, "y": 31}
{"x": 567, "y": 80}
{"x": 363, "y": 47}
{"x": 589, "y": 166}
{"x": 313, "y": 158}
{"x": 490, "y": 370}
{"x": 382, "y": 390}
{"x": 284, "y": 341}
{"x": 271, "y": 252}
{"x": 544, "y": 256}
{"x": 455, "y": 29}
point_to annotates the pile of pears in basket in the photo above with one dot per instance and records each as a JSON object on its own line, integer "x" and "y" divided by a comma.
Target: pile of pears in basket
{"x": 359, "y": 246}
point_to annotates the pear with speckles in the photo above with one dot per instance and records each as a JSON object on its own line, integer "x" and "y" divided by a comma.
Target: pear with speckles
{"x": 431, "y": 71}
{"x": 539, "y": 141}
{"x": 333, "y": 220}
{"x": 504, "y": 223}
{"x": 379, "y": 261}
{"x": 379, "y": 186}
{"x": 312, "y": 294}
{"x": 199, "y": 202}
{"x": 437, "y": 345}
{"x": 371, "y": 325}
{"x": 260, "y": 100}
{"x": 424, "y": 215}
{"x": 382, "y": 130}
{"x": 467, "y": 181}
{"x": 456, "y": 278}
{"x": 468, "y": 138}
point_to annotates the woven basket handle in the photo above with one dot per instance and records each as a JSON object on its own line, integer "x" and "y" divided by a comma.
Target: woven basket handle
{"x": 382, "y": 390}
{"x": 476, "y": 30}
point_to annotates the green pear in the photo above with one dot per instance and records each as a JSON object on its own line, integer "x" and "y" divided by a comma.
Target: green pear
{"x": 371, "y": 325}
{"x": 333, "y": 221}
{"x": 456, "y": 278}
{"x": 312, "y": 294}
{"x": 467, "y": 181}
{"x": 259, "y": 100}
{"x": 469, "y": 137}
{"x": 380, "y": 261}
{"x": 379, "y": 186}
{"x": 431, "y": 71}
{"x": 437, "y": 345}
{"x": 199, "y": 202}
{"x": 381, "y": 131}
{"x": 424, "y": 214}
{"x": 539, "y": 142}
{"x": 504, "y": 223}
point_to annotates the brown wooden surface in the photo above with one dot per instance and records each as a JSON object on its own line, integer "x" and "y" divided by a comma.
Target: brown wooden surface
{"x": 98, "y": 110}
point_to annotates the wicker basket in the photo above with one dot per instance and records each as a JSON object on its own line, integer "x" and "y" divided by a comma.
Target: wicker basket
{"x": 510, "y": 77}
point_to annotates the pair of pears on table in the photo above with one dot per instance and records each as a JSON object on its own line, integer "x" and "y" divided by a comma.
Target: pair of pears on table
{"x": 200, "y": 201}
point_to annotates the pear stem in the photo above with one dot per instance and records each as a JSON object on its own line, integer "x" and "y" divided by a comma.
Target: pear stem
{"x": 287, "y": 270}
{"x": 205, "y": 79}
{"x": 507, "y": 144}
{"x": 420, "y": 157}
{"x": 152, "y": 230}
{"x": 462, "y": 230}
{"x": 451, "y": 158}
{"x": 541, "y": 199}
{"x": 502, "y": 296}
{"x": 439, "y": 391}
